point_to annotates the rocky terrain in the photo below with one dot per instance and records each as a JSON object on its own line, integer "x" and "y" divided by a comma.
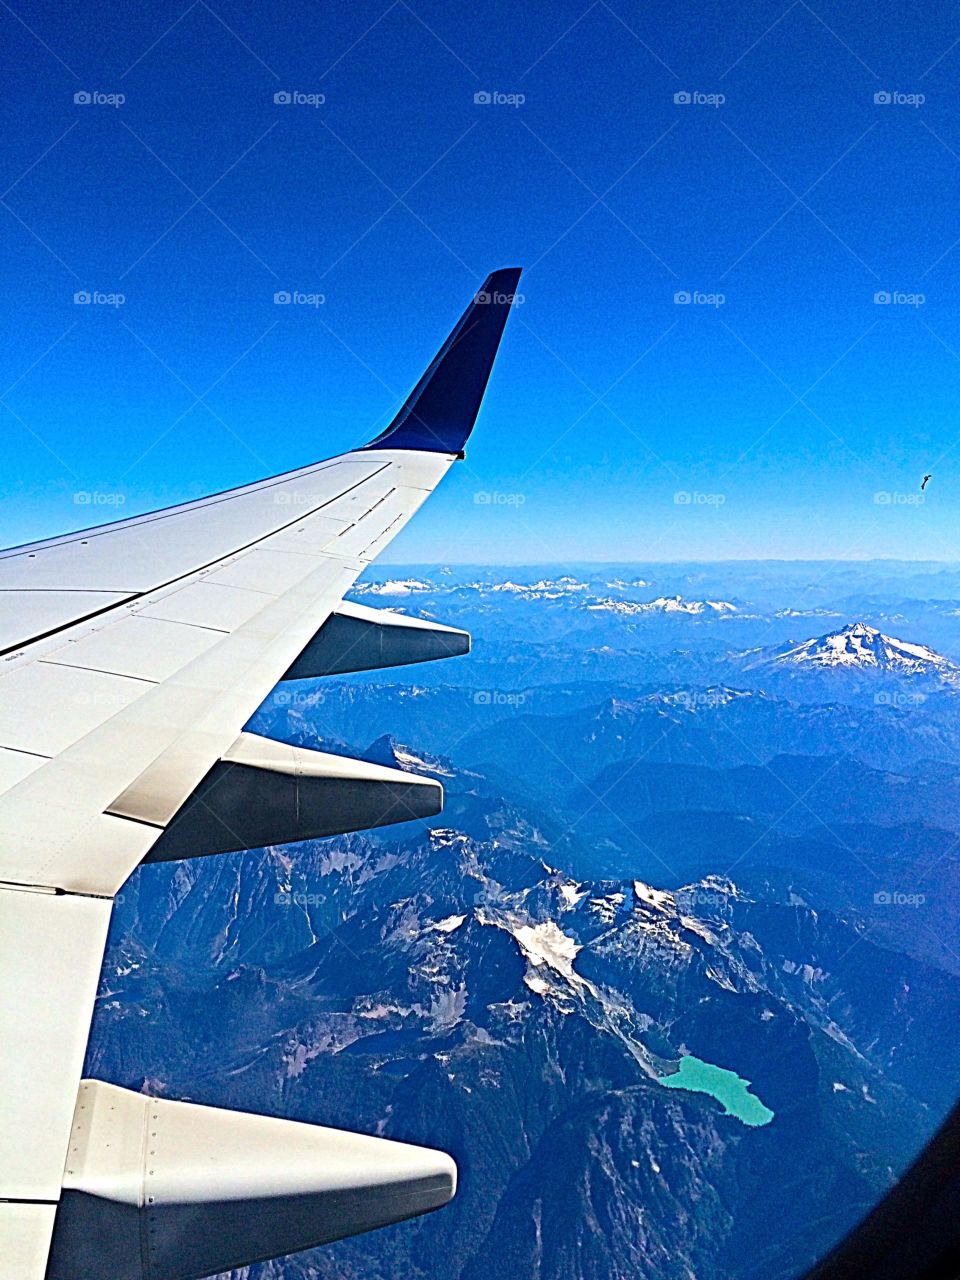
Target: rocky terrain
{"x": 626, "y": 876}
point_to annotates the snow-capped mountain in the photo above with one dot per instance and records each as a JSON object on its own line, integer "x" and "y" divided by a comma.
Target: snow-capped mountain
{"x": 863, "y": 647}
{"x": 662, "y": 604}
{"x": 857, "y": 659}
{"x": 394, "y": 587}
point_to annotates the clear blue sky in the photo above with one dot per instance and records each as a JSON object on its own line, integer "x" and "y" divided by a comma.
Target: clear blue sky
{"x": 799, "y": 198}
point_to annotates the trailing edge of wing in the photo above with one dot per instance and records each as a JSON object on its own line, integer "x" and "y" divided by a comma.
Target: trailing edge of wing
{"x": 440, "y": 411}
{"x": 355, "y": 638}
{"x": 161, "y": 1190}
{"x": 264, "y": 792}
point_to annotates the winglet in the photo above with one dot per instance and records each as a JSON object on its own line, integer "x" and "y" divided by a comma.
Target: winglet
{"x": 440, "y": 411}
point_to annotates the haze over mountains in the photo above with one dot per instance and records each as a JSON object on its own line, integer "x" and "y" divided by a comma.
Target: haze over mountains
{"x": 718, "y": 823}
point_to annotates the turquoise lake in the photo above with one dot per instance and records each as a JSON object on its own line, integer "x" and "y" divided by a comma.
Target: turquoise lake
{"x": 726, "y": 1086}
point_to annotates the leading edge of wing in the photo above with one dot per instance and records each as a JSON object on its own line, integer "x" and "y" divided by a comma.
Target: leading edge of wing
{"x": 440, "y": 411}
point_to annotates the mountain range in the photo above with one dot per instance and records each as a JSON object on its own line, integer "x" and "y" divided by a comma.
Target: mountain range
{"x": 674, "y": 976}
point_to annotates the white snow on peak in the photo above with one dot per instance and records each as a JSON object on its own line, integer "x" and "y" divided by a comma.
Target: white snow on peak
{"x": 572, "y": 894}
{"x": 547, "y": 944}
{"x": 607, "y": 906}
{"x": 536, "y": 984}
{"x": 663, "y": 604}
{"x": 861, "y": 646}
{"x": 659, "y": 898}
{"x": 699, "y": 928}
{"x": 393, "y": 587}
{"x": 545, "y": 589}
{"x": 449, "y": 924}
{"x": 807, "y": 613}
{"x": 404, "y": 756}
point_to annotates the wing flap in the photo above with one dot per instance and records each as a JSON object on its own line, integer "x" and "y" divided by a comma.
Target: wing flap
{"x": 175, "y": 1190}
{"x": 356, "y": 638}
{"x": 51, "y": 947}
{"x": 266, "y": 793}
{"x": 25, "y": 1233}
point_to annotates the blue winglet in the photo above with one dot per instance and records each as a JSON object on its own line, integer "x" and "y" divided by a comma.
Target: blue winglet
{"x": 439, "y": 413}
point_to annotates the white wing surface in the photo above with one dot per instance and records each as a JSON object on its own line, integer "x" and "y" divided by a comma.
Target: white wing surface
{"x": 131, "y": 656}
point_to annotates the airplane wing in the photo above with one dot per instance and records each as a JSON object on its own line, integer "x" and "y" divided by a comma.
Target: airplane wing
{"x": 131, "y": 656}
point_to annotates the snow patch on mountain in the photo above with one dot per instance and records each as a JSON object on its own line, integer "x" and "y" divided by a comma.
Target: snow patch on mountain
{"x": 572, "y": 894}
{"x": 648, "y": 896}
{"x": 545, "y": 589}
{"x": 449, "y": 924}
{"x": 860, "y": 647}
{"x": 662, "y": 604}
{"x": 393, "y": 587}
{"x": 547, "y": 944}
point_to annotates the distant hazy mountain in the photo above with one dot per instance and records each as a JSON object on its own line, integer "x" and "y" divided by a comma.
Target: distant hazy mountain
{"x": 863, "y": 648}
{"x": 857, "y": 662}
{"x": 662, "y": 604}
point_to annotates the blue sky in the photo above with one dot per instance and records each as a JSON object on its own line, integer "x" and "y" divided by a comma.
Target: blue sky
{"x": 781, "y": 412}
